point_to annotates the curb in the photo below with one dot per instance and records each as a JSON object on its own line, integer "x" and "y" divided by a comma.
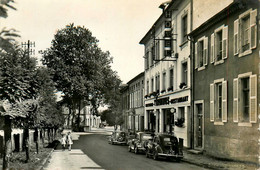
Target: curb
{"x": 204, "y": 165}
{"x": 45, "y": 160}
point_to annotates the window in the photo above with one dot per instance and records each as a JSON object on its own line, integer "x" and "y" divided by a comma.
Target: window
{"x": 157, "y": 51}
{"x": 184, "y": 28}
{"x": 171, "y": 80}
{"x": 147, "y": 87}
{"x": 153, "y": 55}
{"x": 245, "y": 98}
{"x": 201, "y": 53}
{"x": 152, "y": 85}
{"x": 164, "y": 82}
{"x": 218, "y": 115}
{"x": 184, "y": 73}
{"x": 218, "y": 101}
{"x": 147, "y": 60}
{"x": 245, "y": 33}
{"x": 157, "y": 83}
{"x": 219, "y": 45}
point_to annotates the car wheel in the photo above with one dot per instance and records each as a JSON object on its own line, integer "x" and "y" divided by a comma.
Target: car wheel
{"x": 129, "y": 148}
{"x": 178, "y": 160}
{"x": 155, "y": 155}
{"x": 136, "y": 150}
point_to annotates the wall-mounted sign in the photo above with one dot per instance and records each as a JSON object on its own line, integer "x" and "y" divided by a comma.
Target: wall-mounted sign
{"x": 180, "y": 99}
{"x": 149, "y": 105}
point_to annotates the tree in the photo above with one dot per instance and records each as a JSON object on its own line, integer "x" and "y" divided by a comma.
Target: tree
{"x": 17, "y": 83}
{"x": 6, "y": 36}
{"x": 81, "y": 69}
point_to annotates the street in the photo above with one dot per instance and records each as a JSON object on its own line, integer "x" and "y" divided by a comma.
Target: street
{"x": 115, "y": 157}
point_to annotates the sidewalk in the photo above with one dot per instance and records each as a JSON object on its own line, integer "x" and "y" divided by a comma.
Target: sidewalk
{"x": 68, "y": 160}
{"x": 213, "y": 163}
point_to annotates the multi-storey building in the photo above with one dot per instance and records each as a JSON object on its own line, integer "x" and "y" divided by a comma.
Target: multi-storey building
{"x": 87, "y": 119}
{"x": 136, "y": 105}
{"x": 132, "y": 100}
{"x": 167, "y": 73}
{"x": 225, "y": 67}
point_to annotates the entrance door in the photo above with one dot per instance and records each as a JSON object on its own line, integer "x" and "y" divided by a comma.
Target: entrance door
{"x": 199, "y": 126}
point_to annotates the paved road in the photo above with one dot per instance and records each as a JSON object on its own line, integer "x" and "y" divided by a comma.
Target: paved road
{"x": 116, "y": 157}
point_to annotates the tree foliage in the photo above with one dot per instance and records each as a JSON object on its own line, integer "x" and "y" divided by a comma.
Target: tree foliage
{"x": 80, "y": 68}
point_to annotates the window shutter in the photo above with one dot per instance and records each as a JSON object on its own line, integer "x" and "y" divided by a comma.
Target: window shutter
{"x": 196, "y": 55}
{"x": 253, "y": 98}
{"x": 253, "y": 28}
{"x": 224, "y": 101}
{"x": 236, "y": 37}
{"x": 225, "y": 43}
{"x": 235, "y": 100}
{"x": 212, "y": 102}
{"x": 205, "y": 55}
{"x": 212, "y": 54}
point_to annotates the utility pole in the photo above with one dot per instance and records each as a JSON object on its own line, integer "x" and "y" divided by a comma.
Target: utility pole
{"x": 27, "y": 46}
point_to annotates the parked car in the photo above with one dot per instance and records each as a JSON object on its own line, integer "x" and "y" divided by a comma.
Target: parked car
{"x": 130, "y": 135}
{"x": 165, "y": 145}
{"x": 117, "y": 137}
{"x": 139, "y": 144}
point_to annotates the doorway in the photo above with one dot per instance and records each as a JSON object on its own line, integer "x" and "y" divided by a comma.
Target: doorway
{"x": 199, "y": 126}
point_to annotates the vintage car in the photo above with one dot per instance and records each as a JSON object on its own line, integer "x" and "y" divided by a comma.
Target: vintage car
{"x": 165, "y": 145}
{"x": 117, "y": 137}
{"x": 139, "y": 144}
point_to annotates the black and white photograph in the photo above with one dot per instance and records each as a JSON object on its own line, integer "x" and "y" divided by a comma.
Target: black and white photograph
{"x": 129, "y": 84}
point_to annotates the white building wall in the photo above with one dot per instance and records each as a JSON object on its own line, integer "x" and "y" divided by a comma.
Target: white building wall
{"x": 165, "y": 66}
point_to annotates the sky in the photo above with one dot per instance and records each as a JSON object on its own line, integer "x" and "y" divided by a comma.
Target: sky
{"x": 119, "y": 25}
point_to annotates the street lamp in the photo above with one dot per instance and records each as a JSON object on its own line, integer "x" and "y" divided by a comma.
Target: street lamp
{"x": 90, "y": 97}
{"x": 173, "y": 110}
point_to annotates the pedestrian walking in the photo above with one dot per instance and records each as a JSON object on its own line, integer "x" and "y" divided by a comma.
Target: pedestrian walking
{"x": 69, "y": 141}
{"x": 63, "y": 141}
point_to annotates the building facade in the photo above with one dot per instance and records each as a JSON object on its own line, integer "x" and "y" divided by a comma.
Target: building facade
{"x": 225, "y": 68}
{"x": 136, "y": 103}
{"x": 167, "y": 72}
{"x": 87, "y": 119}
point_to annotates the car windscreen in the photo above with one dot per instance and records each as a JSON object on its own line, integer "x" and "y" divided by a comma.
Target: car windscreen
{"x": 169, "y": 141}
{"x": 147, "y": 137}
{"x": 120, "y": 134}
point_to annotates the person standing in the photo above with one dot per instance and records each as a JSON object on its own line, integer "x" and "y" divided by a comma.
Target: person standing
{"x": 63, "y": 142}
{"x": 69, "y": 141}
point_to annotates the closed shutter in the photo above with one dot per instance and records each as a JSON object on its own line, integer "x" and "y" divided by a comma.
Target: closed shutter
{"x": 196, "y": 55}
{"x": 224, "y": 101}
{"x": 212, "y": 54}
{"x": 236, "y": 37}
{"x": 225, "y": 43}
{"x": 235, "y": 100}
{"x": 253, "y": 28}
{"x": 205, "y": 55}
{"x": 253, "y": 99}
{"x": 212, "y": 102}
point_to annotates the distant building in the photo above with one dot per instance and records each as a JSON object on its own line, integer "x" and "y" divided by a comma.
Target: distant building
{"x": 132, "y": 97}
{"x": 87, "y": 119}
{"x": 225, "y": 67}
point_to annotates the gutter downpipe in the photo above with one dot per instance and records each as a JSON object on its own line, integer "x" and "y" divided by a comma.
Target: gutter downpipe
{"x": 192, "y": 82}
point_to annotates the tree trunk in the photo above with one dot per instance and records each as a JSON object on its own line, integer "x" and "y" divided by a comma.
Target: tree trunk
{"x": 49, "y": 137}
{"x": 79, "y": 115}
{"x": 36, "y": 139}
{"x": 7, "y": 144}
{"x": 26, "y": 143}
{"x": 68, "y": 125}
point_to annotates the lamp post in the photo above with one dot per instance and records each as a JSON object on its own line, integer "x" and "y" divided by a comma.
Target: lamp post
{"x": 90, "y": 97}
